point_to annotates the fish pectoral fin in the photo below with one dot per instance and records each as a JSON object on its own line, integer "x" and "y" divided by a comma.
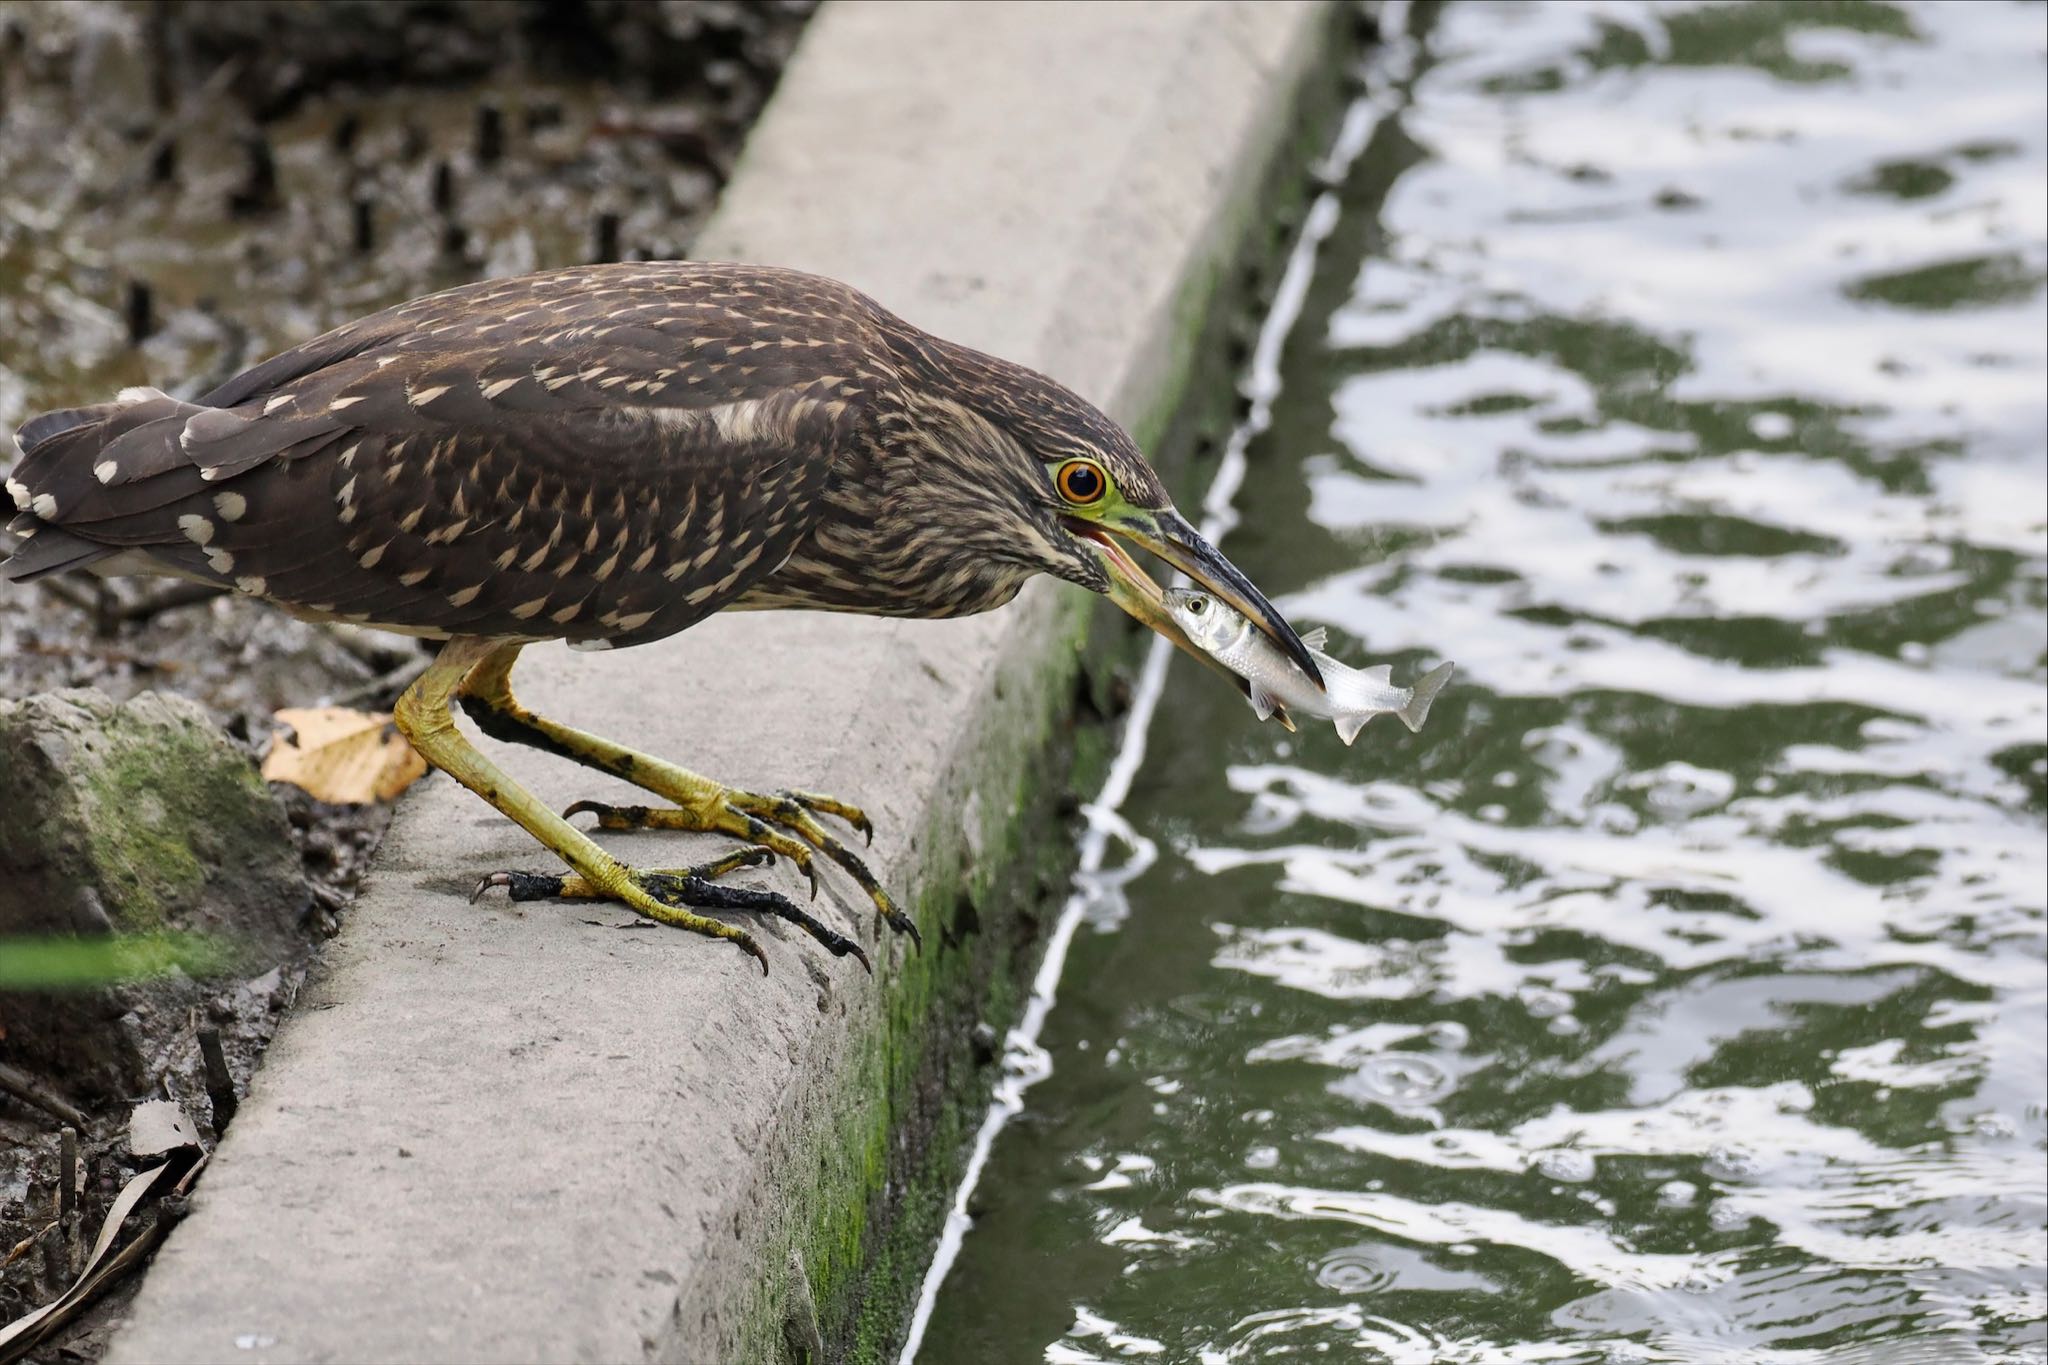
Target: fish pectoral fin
{"x": 1318, "y": 638}
{"x": 1349, "y": 726}
{"x": 1262, "y": 701}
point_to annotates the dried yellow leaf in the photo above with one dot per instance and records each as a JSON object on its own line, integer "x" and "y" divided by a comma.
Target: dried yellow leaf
{"x": 342, "y": 756}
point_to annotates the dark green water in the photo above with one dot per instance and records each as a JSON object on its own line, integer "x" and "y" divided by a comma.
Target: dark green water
{"x": 1679, "y": 993}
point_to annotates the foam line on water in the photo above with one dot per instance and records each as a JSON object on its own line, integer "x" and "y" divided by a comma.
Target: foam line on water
{"x": 1025, "y": 1062}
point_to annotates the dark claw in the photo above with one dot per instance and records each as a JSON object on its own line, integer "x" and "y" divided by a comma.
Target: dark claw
{"x": 753, "y": 950}
{"x": 608, "y": 817}
{"x": 904, "y": 924}
{"x": 523, "y": 886}
{"x": 757, "y": 856}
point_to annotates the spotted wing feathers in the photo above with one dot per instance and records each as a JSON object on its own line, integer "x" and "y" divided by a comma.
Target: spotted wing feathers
{"x": 604, "y": 455}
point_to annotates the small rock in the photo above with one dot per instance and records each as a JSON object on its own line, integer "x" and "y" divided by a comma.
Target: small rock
{"x": 133, "y": 818}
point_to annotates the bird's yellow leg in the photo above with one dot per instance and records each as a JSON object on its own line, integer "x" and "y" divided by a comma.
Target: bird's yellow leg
{"x": 424, "y": 716}
{"x": 786, "y": 822}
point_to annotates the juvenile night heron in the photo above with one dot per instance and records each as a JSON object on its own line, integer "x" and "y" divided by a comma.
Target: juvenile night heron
{"x": 608, "y": 455}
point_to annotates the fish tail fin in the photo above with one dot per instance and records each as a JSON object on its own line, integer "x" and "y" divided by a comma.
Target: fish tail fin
{"x": 1426, "y": 687}
{"x": 1349, "y": 726}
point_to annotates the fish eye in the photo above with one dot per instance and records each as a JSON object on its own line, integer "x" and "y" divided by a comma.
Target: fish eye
{"x": 1081, "y": 482}
{"x": 1198, "y": 605}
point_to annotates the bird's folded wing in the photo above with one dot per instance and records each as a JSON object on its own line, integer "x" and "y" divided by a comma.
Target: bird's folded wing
{"x": 606, "y": 464}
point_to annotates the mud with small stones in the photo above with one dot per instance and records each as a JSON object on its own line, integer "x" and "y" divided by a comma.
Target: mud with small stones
{"x": 186, "y": 189}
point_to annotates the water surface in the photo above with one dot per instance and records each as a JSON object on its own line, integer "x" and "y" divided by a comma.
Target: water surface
{"x": 1679, "y": 994}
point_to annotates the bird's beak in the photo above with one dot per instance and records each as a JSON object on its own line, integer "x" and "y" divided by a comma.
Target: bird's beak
{"x": 1169, "y": 536}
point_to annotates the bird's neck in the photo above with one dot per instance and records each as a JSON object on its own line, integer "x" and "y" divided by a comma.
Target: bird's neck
{"x": 909, "y": 528}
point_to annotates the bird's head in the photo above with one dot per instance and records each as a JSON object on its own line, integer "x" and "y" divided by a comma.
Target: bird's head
{"x": 1071, "y": 490}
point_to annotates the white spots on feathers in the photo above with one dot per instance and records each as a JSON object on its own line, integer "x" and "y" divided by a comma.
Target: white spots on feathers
{"x": 527, "y": 610}
{"x": 419, "y": 398}
{"x": 283, "y": 400}
{"x": 231, "y": 506}
{"x": 566, "y": 614}
{"x": 252, "y": 584}
{"x": 44, "y": 506}
{"x": 634, "y": 620}
{"x": 105, "y": 471}
{"x": 18, "y": 490}
{"x": 415, "y": 578}
{"x": 196, "y": 528}
{"x": 463, "y": 597}
{"x": 222, "y": 561}
{"x": 498, "y": 386}
{"x": 348, "y": 456}
{"x": 343, "y": 403}
{"x": 371, "y": 558}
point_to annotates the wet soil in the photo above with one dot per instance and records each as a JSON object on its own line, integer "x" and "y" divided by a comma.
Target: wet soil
{"x": 186, "y": 189}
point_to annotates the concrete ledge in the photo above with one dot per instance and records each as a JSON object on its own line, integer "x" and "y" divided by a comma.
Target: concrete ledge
{"x": 519, "y": 1133}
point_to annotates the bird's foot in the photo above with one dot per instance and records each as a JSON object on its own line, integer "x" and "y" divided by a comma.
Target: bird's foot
{"x": 669, "y": 895}
{"x": 786, "y": 822}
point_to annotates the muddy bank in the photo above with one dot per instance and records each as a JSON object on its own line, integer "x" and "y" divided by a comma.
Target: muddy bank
{"x": 186, "y": 189}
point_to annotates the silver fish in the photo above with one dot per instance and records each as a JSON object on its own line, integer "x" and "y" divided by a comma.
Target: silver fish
{"x": 1354, "y": 697}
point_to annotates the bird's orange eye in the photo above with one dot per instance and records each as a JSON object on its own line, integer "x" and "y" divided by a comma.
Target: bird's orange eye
{"x": 1080, "y": 482}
